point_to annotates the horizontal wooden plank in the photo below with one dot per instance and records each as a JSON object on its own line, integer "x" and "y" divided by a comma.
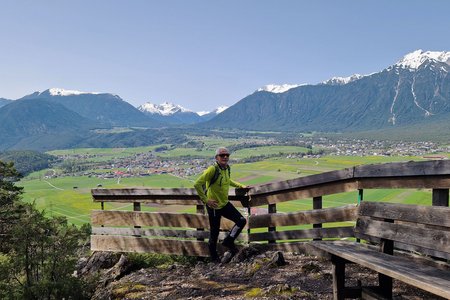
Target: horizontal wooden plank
{"x": 334, "y": 214}
{"x": 186, "y": 202}
{"x": 431, "y": 215}
{"x": 160, "y": 233}
{"x": 425, "y": 277}
{"x": 409, "y": 234}
{"x": 335, "y": 232}
{"x": 419, "y": 182}
{"x": 302, "y": 182}
{"x": 302, "y": 193}
{"x": 155, "y": 219}
{"x": 146, "y": 245}
{"x": 133, "y": 194}
{"x": 137, "y": 218}
{"x": 403, "y": 169}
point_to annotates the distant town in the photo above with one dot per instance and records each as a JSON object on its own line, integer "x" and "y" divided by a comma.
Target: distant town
{"x": 149, "y": 163}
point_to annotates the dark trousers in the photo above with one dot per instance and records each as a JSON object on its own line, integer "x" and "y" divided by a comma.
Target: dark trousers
{"x": 231, "y": 213}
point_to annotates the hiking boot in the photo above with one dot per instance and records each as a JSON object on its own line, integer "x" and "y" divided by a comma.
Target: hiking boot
{"x": 227, "y": 257}
{"x": 214, "y": 259}
{"x": 229, "y": 243}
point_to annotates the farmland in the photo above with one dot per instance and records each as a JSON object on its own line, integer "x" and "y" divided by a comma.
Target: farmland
{"x": 68, "y": 194}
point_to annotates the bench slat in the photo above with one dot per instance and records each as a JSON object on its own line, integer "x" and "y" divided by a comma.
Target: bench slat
{"x": 425, "y": 277}
{"x": 430, "y": 215}
{"x": 408, "y": 234}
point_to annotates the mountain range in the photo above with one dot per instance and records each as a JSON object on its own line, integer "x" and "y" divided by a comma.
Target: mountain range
{"x": 414, "y": 90}
{"x": 176, "y": 114}
{"x": 411, "y": 96}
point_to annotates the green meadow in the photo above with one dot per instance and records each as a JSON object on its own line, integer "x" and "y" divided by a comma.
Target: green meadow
{"x": 70, "y": 196}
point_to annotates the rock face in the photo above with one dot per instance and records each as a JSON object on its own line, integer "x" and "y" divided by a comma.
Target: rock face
{"x": 251, "y": 274}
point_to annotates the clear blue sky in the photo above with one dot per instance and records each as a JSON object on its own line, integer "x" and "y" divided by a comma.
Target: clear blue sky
{"x": 202, "y": 54}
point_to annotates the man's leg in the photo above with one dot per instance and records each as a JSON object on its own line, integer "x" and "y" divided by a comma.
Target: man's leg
{"x": 214, "y": 224}
{"x": 231, "y": 213}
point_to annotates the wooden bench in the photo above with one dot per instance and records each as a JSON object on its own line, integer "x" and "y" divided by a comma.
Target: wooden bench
{"x": 423, "y": 230}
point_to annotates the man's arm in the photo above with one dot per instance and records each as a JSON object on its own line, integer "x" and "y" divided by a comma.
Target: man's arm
{"x": 201, "y": 182}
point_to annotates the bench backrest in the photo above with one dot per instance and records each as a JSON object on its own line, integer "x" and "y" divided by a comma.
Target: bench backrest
{"x": 424, "y": 229}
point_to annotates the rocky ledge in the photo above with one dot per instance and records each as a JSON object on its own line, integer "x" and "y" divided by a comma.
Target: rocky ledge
{"x": 251, "y": 274}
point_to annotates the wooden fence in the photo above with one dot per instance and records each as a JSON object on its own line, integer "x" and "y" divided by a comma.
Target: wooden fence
{"x": 134, "y": 230}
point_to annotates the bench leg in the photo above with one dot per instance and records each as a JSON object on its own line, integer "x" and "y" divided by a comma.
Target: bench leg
{"x": 385, "y": 283}
{"x": 338, "y": 269}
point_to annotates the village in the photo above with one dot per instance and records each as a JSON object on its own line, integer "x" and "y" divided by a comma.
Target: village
{"x": 150, "y": 163}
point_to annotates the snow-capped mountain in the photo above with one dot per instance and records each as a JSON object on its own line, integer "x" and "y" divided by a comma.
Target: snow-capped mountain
{"x": 208, "y": 115}
{"x": 164, "y": 109}
{"x": 176, "y": 114}
{"x": 415, "y": 59}
{"x": 416, "y": 89}
{"x": 170, "y": 113}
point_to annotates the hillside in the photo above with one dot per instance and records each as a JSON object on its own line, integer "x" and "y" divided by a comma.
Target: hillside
{"x": 40, "y": 121}
{"x": 404, "y": 94}
{"x": 102, "y": 108}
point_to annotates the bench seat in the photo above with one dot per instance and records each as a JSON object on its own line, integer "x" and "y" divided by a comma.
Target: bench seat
{"x": 423, "y": 276}
{"x": 387, "y": 227}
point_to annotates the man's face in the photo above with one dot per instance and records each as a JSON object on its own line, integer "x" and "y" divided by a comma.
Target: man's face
{"x": 223, "y": 157}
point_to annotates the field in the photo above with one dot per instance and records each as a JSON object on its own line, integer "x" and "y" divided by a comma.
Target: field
{"x": 70, "y": 196}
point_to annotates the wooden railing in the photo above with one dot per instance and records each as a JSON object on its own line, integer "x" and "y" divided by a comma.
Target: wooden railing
{"x": 185, "y": 233}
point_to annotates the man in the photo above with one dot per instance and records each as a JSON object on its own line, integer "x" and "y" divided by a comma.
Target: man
{"x": 217, "y": 181}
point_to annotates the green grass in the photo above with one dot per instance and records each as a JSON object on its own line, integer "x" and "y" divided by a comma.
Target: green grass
{"x": 70, "y": 196}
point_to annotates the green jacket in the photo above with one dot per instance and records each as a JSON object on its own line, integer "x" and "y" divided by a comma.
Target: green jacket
{"x": 219, "y": 190}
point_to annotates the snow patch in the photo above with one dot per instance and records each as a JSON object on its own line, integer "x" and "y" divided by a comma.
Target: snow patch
{"x": 273, "y": 88}
{"x": 343, "y": 80}
{"x": 414, "y": 59}
{"x": 164, "y": 109}
{"x": 63, "y": 92}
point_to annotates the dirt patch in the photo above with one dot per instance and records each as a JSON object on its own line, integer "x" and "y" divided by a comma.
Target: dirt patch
{"x": 250, "y": 275}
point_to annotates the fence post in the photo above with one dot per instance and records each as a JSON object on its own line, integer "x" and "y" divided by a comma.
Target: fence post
{"x": 440, "y": 197}
{"x": 360, "y": 199}
{"x": 137, "y": 207}
{"x": 272, "y": 210}
{"x": 200, "y": 210}
{"x": 317, "y": 204}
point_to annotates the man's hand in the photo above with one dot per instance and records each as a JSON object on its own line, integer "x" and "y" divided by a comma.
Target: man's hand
{"x": 212, "y": 203}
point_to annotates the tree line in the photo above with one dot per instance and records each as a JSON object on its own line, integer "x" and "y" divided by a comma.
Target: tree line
{"x": 37, "y": 254}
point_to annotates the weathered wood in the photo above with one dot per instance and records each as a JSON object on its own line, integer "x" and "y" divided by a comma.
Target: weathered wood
{"x": 440, "y": 197}
{"x": 403, "y": 169}
{"x": 303, "y": 192}
{"x": 419, "y": 182}
{"x": 428, "y": 278}
{"x": 431, "y": 215}
{"x": 338, "y": 270}
{"x": 133, "y": 194}
{"x": 302, "y": 182}
{"x": 155, "y": 219}
{"x": 317, "y": 204}
{"x": 186, "y": 234}
{"x": 335, "y": 232}
{"x": 272, "y": 210}
{"x": 129, "y": 218}
{"x": 334, "y": 214}
{"x": 408, "y": 234}
{"x": 146, "y": 245}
